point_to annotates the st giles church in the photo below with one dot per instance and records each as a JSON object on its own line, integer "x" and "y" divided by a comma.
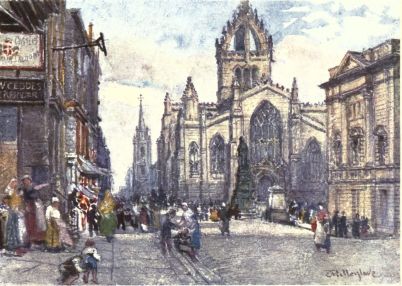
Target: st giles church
{"x": 197, "y": 147}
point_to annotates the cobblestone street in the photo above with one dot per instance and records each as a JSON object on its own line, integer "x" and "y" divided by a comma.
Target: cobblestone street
{"x": 264, "y": 253}
{"x": 256, "y": 253}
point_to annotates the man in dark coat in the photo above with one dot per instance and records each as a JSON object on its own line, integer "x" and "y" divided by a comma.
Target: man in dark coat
{"x": 166, "y": 231}
{"x": 356, "y": 226}
{"x": 224, "y": 218}
{"x": 93, "y": 220}
{"x": 343, "y": 229}
{"x": 120, "y": 217}
{"x": 335, "y": 222}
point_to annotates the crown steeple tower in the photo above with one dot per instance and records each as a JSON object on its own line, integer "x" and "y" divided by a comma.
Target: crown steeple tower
{"x": 243, "y": 52}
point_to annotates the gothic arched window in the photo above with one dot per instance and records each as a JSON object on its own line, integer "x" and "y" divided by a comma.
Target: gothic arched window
{"x": 217, "y": 154}
{"x": 238, "y": 76}
{"x": 312, "y": 169}
{"x": 381, "y": 144}
{"x": 194, "y": 159}
{"x": 266, "y": 134}
{"x": 337, "y": 149}
{"x": 239, "y": 39}
{"x": 355, "y": 146}
{"x": 255, "y": 75}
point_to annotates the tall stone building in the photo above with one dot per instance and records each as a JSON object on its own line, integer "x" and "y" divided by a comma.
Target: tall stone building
{"x": 362, "y": 96}
{"x": 49, "y": 120}
{"x": 197, "y": 147}
{"x": 142, "y": 156}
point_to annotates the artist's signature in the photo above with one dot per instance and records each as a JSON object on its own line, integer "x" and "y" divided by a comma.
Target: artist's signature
{"x": 347, "y": 273}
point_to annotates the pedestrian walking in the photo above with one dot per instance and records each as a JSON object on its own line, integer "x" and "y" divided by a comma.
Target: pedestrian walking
{"x": 322, "y": 231}
{"x": 91, "y": 258}
{"x": 143, "y": 219}
{"x": 166, "y": 231}
{"x": 224, "y": 220}
{"x": 93, "y": 220}
{"x": 120, "y": 217}
{"x": 196, "y": 237}
{"x": 343, "y": 228}
{"x": 356, "y": 226}
{"x": 108, "y": 220}
{"x": 335, "y": 222}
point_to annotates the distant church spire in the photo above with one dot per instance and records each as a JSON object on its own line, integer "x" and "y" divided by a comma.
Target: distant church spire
{"x": 141, "y": 123}
{"x": 295, "y": 90}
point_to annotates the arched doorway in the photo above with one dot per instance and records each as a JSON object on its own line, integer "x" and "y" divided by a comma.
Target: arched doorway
{"x": 262, "y": 188}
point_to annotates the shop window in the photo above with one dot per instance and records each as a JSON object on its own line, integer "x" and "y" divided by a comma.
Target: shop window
{"x": 8, "y": 124}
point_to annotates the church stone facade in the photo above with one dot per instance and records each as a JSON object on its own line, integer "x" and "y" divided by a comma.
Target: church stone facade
{"x": 363, "y": 98}
{"x": 142, "y": 157}
{"x": 197, "y": 147}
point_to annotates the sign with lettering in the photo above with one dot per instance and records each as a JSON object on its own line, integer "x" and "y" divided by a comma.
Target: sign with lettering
{"x": 21, "y": 51}
{"x": 16, "y": 91}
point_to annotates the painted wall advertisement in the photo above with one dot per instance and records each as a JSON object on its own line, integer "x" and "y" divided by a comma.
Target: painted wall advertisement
{"x": 22, "y": 51}
{"x": 21, "y": 90}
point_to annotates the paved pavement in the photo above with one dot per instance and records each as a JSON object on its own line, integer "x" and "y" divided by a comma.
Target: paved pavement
{"x": 266, "y": 253}
{"x": 255, "y": 253}
{"x": 132, "y": 258}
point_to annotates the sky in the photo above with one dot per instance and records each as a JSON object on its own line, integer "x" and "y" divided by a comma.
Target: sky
{"x": 154, "y": 45}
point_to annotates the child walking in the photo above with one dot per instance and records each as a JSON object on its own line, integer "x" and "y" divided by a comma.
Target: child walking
{"x": 91, "y": 259}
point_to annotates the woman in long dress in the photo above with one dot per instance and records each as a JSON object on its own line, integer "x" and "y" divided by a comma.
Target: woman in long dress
{"x": 108, "y": 221}
{"x": 16, "y": 232}
{"x": 56, "y": 233}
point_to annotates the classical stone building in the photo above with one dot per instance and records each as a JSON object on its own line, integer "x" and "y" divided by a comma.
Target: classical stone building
{"x": 142, "y": 157}
{"x": 197, "y": 147}
{"x": 362, "y": 96}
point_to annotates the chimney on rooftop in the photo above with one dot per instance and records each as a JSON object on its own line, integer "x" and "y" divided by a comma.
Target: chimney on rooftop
{"x": 90, "y": 32}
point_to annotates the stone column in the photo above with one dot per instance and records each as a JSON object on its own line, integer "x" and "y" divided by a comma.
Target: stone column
{"x": 344, "y": 133}
{"x": 70, "y": 146}
{"x": 369, "y": 128}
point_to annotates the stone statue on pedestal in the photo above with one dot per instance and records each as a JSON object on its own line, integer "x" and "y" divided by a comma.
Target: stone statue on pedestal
{"x": 243, "y": 192}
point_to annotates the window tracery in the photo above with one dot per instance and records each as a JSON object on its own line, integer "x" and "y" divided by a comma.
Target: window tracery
{"x": 266, "y": 134}
{"x": 217, "y": 154}
{"x": 194, "y": 159}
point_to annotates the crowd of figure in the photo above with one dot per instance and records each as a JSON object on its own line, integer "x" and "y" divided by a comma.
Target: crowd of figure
{"x": 27, "y": 224}
{"x": 339, "y": 224}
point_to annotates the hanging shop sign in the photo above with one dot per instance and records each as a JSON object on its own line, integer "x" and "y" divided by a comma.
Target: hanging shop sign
{"x": 21, "y": 51}
{"x": 14, "y": 91}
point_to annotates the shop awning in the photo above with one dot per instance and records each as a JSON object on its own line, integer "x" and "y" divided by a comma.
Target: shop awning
{"x": 87, "y": 192}
{"x": 88, "y": 168}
